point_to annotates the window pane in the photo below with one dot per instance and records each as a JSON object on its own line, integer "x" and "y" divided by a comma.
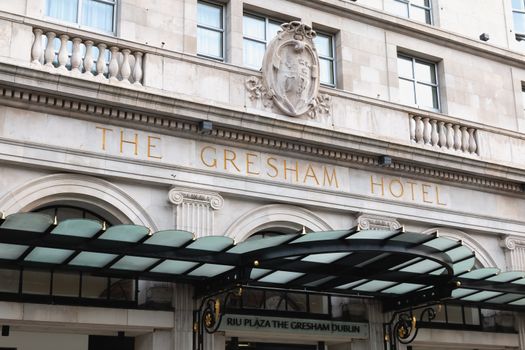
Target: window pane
{"x": 209, "y": 42}
{"x": 97, "y": 15}
{"x": 518, "y": 5}
{"x": 427, "y": 96}
{"x": 66, "y": 284}
{"x": 318, "y": 304}
{"x": 253, "y": 53}
{"x": 9, "y": 280}
{"x": 323, "y": 44}
{"x": 122, "y": 289}
{"x": 327, "y": 71}
{"x": 400, "y": 8}
{"x": 425, "y": 72}
{"x": 63, "y": 9}
{"x": 424, "y": 3}
{"x": 419, "y": 14}
{"x": 253, "y": 27}
{"x": 519, "y": 22}
{"x": 36, "y": 282}
{"x": 94, "y": 287}
{"x": 273, "y": 28}
{"x": 404, "y": 67}
{"x": 209, "y": 15}
{"x": 406, "y": 92}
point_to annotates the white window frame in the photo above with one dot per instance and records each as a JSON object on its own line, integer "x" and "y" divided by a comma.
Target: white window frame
{"x": 222, "y": 30}
{"x": 519, "y": 35}
{"x": 267, "y": 21}
{"x": 331, "y": 59}
{"x": 410, "y": 4}
{"x": 77, "y": 23}
{"x": 415, "y": 82}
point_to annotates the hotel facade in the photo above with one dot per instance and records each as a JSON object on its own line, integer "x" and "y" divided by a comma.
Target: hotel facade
{"x": 249, "y": 174}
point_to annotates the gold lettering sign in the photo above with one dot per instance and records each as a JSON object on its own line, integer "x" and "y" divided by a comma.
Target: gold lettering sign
{"x": 255, "y": 164}
{"x": 408, "y": 190}
{"x": 130, "y": 142}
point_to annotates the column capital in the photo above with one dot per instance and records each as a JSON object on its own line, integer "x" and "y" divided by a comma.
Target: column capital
{"x": 376, "y": 222}
{"x": 179, "y": 195}
{"x": 511, "y": 242}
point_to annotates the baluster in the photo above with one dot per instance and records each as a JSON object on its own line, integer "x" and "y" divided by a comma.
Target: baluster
{"x": 137, "y": 69}
{"x": 49, "y": 54}
{"x": 101, "y": 60}
{"x": 113, "y": 63}
{"x": 419, "y": 129}
{"x": 36, "y": 50}
{"x": 62, "y": 52}
{"x": 464, "y": 139}
{"x": 434, "y": 137}
{"x": 76, "y": 57}
{"x": 88, "y": 57}
{"x": 426, "y": 130}
{"x": 472, "y": 145}
{"x": 457, "y": 137}
{"x": 125, "y": 69}
{"x": 450, "y": 136}
{"x": 412, "y": 126}
{"x": 442, "y": 135}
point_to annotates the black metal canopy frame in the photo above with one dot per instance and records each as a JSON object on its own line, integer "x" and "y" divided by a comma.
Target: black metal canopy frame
{"x": 401, "y": 269}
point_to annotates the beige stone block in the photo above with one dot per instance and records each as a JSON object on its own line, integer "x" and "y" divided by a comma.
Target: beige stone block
{"x": 100, "y": 316}
{"x": 153, "y": 69}
{"x": 5, "y": 37}
{"x": 155, "y": 319}
{"x": 50, "y": 313}
{"x": 11, "y": 311}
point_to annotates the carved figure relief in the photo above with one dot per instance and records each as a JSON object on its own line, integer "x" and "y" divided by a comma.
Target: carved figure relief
{"x": 290, "y": 74}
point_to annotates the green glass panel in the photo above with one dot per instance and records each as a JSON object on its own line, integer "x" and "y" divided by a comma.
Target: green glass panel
{"x": 49, "y": 255}
{"x": 125, "y": 233}
{"x": 351, "y": 284}
{"x": 92, "y": 259}
{"x": 170, "y": 238}
{"x": 410, "y": 237}
{"x": 281, "y": 277}
{"x": 441, "y": 243}
{"x": 422, "y": 266}
{"x": 459, "y": 253}
{"x": 520, "y": 302}
{"x": 212, "y": 243}
{"x": 406, "y": 264}
{"x": 373, "y": 234}
{"x": 320, "y": 281}
{"x": 520, "y": 281}
{"x": 175, "y": 267}
{"x": 210, "y": 270}
{"x": 438, "y": 272}
{"x": 322, "y": 236}
{"x": 11, "y": 251}
{"x": 325, "y": 258}
{"x": 133, "y": 263}
{"x": 481, "y": 296}
{"x": 505, "y": 298}
{"x": 463, "y": 266}
{"x": 461, "y": 292}
{"x": 34, "y": 222}
{"x": 256, "y": 273}
{"x": 260, "y": 243}
{"x": 480, "y": 274}
{"x": 374, "y": 286}
{"x": 403, "y": 288}
{"x": 507, "y": 276}
{"x": 78, "y": 228}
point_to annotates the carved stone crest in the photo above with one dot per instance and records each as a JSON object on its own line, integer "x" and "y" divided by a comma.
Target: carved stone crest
{"x": 290, "y": 73}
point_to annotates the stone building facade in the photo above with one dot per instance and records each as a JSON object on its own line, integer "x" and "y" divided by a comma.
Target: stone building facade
{"x": 157, "y": 113}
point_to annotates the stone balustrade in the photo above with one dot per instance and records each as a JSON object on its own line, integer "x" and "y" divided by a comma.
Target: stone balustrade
{"x": 443, "y": 135}
{"x": 85, "y": 57}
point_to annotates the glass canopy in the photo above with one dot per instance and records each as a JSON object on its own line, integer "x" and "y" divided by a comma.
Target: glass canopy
{"x": 400, "y": 268}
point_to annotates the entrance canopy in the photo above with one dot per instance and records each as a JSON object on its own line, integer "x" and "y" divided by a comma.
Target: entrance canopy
{"x": 400, "y": 268}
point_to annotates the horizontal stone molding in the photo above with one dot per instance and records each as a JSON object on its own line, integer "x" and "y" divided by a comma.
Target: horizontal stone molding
{"x": 62, "y": 105}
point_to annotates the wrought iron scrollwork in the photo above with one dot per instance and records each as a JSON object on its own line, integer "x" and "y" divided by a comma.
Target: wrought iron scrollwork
{"x": 209, "y": 316}
{"x": 404, "y": 326}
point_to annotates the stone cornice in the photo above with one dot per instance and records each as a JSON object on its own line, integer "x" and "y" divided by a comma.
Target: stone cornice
{"x": 83, "y": 99}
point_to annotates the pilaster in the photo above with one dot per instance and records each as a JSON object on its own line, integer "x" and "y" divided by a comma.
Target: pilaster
{"x": 194, "y": 210}
{"x": 514, "y": 248}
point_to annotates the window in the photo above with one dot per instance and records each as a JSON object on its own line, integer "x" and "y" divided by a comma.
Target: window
{"x": 518, "y": 17}
{"x": 418, "y": 83}
{"x": 324, "y": 44}
{"x": 210, "y": 30}
{"x": 98, "y": 14}
{"x": 257, "y": 33}
{"x": 418, "y": 10}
